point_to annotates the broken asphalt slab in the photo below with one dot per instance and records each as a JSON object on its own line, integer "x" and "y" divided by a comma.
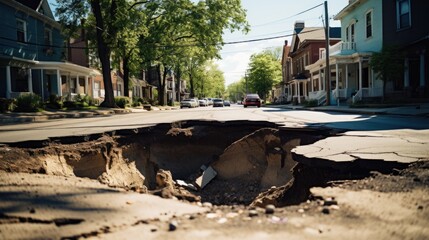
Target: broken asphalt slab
{"x": 51, "y": 207}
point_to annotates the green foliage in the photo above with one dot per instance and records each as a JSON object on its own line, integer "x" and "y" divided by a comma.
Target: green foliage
{"x": 310, "y": 103}
{"x": 55, "y": 102}
{"x": 123, "y": 102}
{"x": 264, "y": 72}
{"x": 388, "y": 64}
{"x": 236, "y": 91}
{"x": 28, "y": 103}
{"x": 209, "y": 81}
{"x": 6, "y": 105}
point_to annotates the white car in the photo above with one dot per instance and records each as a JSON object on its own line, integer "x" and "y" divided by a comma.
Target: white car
{"x": 203, "y": 103}
{"x": 189, "y": 103}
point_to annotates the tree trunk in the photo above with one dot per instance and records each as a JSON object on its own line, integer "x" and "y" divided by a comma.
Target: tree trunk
{"x": 179, "y": 86}
{"x": 126, "y": 77}
{"x": 161, "y": 84}
{"x": 191, "y": 82}
{"x": 104, "y": 55}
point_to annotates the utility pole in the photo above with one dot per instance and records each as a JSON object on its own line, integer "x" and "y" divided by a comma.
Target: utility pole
{"x": 327, "y": 69}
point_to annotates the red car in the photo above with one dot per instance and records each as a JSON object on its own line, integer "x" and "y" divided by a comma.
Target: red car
{"x": 252, "y": 100}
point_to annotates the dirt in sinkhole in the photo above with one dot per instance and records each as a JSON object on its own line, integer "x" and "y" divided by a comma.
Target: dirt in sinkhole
{"x": 253, "y": 161}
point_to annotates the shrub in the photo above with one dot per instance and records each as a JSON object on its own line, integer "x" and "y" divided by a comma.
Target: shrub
{"x": 87, "y": 100}
{"x": 55, "y": 102}
{"x": 28, "y": 103}
{"x": 310, "y": 103}
{"x": 6, "y": 105}
{"x": 122, "y": 102}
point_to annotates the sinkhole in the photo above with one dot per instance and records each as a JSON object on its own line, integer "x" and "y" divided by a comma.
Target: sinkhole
{"x": 252, "y": 161}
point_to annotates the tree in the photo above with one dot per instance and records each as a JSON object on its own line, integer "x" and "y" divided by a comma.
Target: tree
{"x": 388, "y": 65}
{"x": 236, "y": 91}
{"x": 190, "y": 32}
{"x": 209, "y": 81}
{"x": 264, "y": 72}
{"x": 108, "y": 17}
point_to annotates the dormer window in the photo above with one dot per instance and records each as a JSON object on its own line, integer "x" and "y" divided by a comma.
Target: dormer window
{"x": 21, "y": 31}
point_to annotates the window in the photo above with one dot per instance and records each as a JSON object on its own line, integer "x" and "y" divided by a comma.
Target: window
{"x": 21, "y": 31}
{"x": 403, "y": 15}
{"x": 48, "y": 37}
{"x": 352, "y": 32}
{"x": 347, "y": 34}
{"x": 368, "y": 19}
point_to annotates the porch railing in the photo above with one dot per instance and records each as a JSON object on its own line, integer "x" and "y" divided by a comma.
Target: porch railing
{"x": 320, "y": 96}
{"x": 357, "y": 96}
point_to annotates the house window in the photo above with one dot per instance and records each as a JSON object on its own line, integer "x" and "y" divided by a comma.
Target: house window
{"x": 347, "y": 34}
{"x": 368, "y": 18}
{"x": 48, "y": 37}
{"x": 403, "y": 15}
{"x": 21, "y": 31}
{"x": 352, "y": 32}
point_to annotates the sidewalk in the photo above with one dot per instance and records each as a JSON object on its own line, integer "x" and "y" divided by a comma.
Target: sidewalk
{"x": 408, "y": 110}
{"x": 418, "y": 109}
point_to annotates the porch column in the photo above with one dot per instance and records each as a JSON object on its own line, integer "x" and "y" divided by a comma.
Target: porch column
{"x": 8, "y": 82}
{"x": 77, "y": 85}
{"x": 360, "y": 74}
{"x": 311, "y": 82}
{"x": 347, "y": 75}
{"x": 59, "y": 90}
{"x": 299, "y": 92}
{"x": 86, "y": 85}
{"x": 422, "y": 69}
{"x": 30, "y": 80}
{"x": 92, "y": 86}
{"x": 42, "y": 84}
{"x": 336, "y": 78}
{"x": 406, "y": 73}
{"x": 320, "y": 80}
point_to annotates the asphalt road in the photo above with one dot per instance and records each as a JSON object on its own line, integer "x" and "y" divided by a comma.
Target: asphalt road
{"x": 289, "y": 118}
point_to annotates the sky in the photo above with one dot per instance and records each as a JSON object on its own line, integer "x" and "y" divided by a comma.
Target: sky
{"x": 267, "y": 19}
{"x": 270, "y": 18}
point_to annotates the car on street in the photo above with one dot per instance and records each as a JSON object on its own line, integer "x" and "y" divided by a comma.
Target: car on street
{"x": 210, "y": 101}
{"x": 226, "y": 103}
{"x": 203, "y": 102}
{"x": 217, "y": 102}
{"x": 189, "y": 103}
{"x": 252, "y": 100}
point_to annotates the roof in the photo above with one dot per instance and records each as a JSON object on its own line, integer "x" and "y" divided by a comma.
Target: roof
{"x": 40, "y": 7}
{"x": 33, "y": 4}
{"x": 314, "y": 34}
{"x": 349, "y": 8}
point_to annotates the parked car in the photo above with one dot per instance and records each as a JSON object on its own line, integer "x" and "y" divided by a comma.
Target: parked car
{"x": 210, "y": 101}
{"x": 217, "y": 102}
{"x": 189, "y": 103}
{"x": 203, "y": 102}
{"x": 252, "y": 100}
{"x": 226, "y": 103}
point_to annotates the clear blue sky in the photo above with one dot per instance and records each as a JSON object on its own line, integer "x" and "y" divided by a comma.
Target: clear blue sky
{"x": 268, "y": 18}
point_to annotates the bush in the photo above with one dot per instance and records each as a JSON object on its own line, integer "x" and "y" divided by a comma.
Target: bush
{"x": 310, "y": 103}
{"x": 122, "y": 102}
{"x": 87, "y": 100}
{"x": 6, "y": 105}
{"x": 28, "y": 103}
{"x": 55, "y": 102}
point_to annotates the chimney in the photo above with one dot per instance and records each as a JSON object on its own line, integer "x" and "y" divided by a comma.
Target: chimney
{"x": 299, "y": 25}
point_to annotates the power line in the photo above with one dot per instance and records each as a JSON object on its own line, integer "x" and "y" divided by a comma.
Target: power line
{"x": 280, "y": 20}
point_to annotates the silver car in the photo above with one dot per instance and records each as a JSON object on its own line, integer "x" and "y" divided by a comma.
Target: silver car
{"x": 189, "y": 103}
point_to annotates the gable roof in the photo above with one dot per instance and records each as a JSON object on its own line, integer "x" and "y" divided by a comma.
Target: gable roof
{"x": 38, "y": 6}
{"x": 313, "y": 34}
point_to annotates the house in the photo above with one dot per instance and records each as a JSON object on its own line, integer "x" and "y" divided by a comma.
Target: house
{"x": 404, "y": 27}
{"x": 33, "y": 54}
{"x": 306, "y": 48}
